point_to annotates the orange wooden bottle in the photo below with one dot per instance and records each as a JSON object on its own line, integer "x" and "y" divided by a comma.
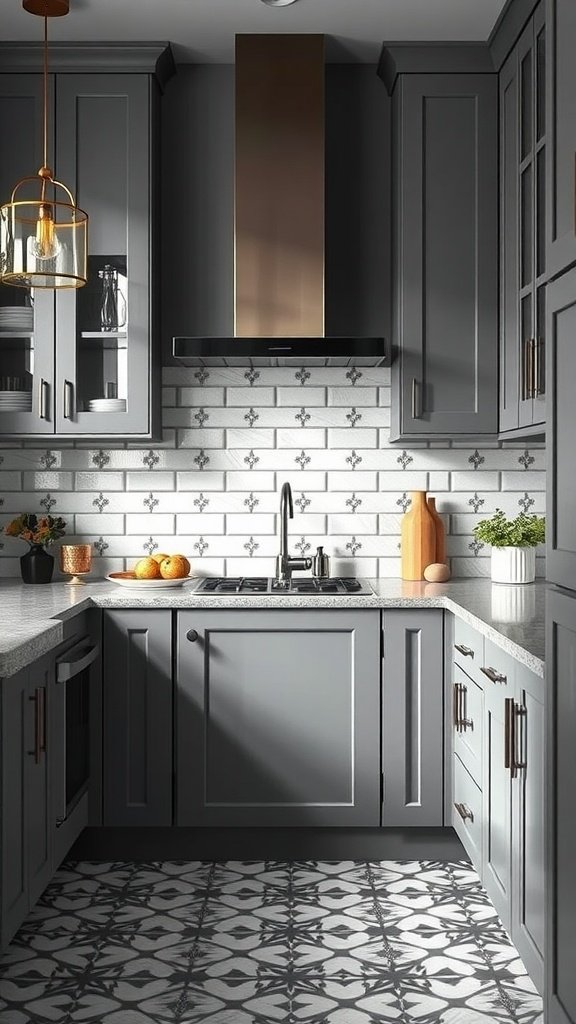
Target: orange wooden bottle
{"x": 440, "y": 532}
{"x": 418, "y": 538}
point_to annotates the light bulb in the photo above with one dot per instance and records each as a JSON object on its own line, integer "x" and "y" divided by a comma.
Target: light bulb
{"x": 45, "y": 244}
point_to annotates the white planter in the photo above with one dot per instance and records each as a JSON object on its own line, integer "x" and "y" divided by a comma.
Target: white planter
{"x": 513, "y": 565}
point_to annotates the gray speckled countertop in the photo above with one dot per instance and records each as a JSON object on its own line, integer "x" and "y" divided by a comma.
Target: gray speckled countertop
{"x": 31, "y": 617}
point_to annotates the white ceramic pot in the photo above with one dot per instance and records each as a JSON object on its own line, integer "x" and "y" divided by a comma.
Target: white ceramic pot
{"x": 513, "y": 565}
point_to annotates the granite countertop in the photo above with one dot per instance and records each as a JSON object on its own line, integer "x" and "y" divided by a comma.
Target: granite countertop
{"x": 512, "y": 617}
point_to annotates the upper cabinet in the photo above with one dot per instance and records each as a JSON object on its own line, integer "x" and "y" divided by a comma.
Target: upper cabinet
{"x": 445, "y": 151}
{"x": 561, "y": 119}
{"x": 523, "y": 139}
{"x": 80, "y": 363}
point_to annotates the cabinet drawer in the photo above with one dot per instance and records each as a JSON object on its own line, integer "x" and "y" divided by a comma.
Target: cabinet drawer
{"x": 497, "y": 668}
{"x": 467, "y": 812}
{"x": 467, "y": 700}
{"x": 468, "y": 649}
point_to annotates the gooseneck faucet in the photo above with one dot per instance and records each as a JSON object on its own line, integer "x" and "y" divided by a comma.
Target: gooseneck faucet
{"x": 285, "y": 563}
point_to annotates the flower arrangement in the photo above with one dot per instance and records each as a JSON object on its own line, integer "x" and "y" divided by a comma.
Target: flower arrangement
{"x": 36, "y": 529}
{"x": 522, "y": 532}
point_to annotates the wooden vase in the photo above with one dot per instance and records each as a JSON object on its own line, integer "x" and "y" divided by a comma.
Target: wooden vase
{"x": 440, "y": 532}
{"x": 418, "y": 538}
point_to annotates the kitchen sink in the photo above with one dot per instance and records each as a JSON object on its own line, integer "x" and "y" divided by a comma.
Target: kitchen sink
{"x": 242, "y": 586}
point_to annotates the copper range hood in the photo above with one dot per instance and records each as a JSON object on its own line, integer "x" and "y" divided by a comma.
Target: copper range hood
{"x": 280, "y": 216}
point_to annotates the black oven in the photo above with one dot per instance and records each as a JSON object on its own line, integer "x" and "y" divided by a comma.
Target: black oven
{"x": 72, "y": 725}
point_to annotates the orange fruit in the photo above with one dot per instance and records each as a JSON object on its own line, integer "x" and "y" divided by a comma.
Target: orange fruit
{"x": 160, "y": 558}
{"x": 147, "y": 569}
{"x": 174, "y": 567}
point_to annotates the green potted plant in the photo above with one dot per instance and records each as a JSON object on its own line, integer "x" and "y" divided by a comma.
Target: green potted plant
{"x": 514, "y": 543}
{"x": 37, "y": 565}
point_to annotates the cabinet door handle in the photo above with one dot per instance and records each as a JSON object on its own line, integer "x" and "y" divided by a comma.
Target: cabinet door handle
{"x": 43, "y": 400}
{"x": 493, "y": 675}
{"x": 192, "y": 635}
{"x": 39, "y": 724}
{"x": 455, "y": 705}
{"x": 518, "y": 711}
{"x": 68, "y": 396}
{"x": 527, "y": 368}
{"x": 415, "y": 409}
{"x": 538, "y": 390}
{"x": 464, "y": 812}
{"x": 466, "y": 651}
{"x": 508, "y": 731}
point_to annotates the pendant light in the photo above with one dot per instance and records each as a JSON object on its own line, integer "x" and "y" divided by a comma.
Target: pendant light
{"x": 43, "y": 241}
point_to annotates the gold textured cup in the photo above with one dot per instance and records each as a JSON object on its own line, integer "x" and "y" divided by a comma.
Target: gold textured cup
{"x": 77, "y": 560}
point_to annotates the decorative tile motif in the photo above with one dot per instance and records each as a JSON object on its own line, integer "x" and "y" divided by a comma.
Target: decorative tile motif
{"x": 303, "y": 546}
{"x": 201, "y": 502}
{"x": 151, "y": 502}
{"x": 100, "y": 502}
{"x": 476, "y": 547}
{"x": 354, "y": 375}
{"x": 151, "y": 459}
{"x": 251, "y": 546}
{"x": 353, "y": 546}
{"x": 251, "y": 501}
{"x": 202, "y": 376}
{"x": 251, "y": 459}
{"x": 303, "y": 502}
{"x": 476, "y": 501}
{"x": 100, "y": 459}
{"x": 302, "y": 375}
{"x": 353, "y": 502}
{"x": 303, "y": 460}
{"x": 303, "y": 417}
{"x": 101, "y": 546}
{"x": 404, "y": 502}
{"x": 476, "y": 460}
{"x": 526, "y": 460}
{"x": 201, "y": 460}
{"x": 201, "y": 417}
{"x": 150, "y": 545}
{"x": 201, "y": 546}
{"x": 354, "y": 459}
{"x": 48, "y": 503}
{"x": 251, "y": 416}
{"x": 526, "y": 502}
{"x": 252, "y": 376}
{"x": 353, "y": 416}
{"x": 265, "y": 943}
{"x": 47, "y": 460}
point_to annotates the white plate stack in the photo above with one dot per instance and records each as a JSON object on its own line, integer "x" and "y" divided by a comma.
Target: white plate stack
{"x": 16, "y": 318}
{"x": 107, "y": 405}
{"x": 15, "y": 401}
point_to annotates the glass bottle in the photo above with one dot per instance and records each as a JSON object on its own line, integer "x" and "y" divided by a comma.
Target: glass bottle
{"x": 110, "y": 319}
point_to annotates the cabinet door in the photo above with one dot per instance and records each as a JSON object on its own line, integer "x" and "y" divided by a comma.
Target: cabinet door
{"x": 278, "y": 718}
{"x": 412, "y": 718}
{"x": 39, "y": 820}
{"x": 561, "y": 478}
{"x": 497, "y": 784}
{"x": 561, "y": 118}
{"x": 103, "y": 146}
{"x": 509, "y": 247}
{"x": 561, "y": 814}
{"x": 15, "y": 715}
{"x": 528, "y": 827}
{"x": 137, "y": 732}
{"x": 446, "y": 291}
{"x": 26, "y": 347}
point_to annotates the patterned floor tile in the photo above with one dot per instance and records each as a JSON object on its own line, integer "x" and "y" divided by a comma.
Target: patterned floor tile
{"x": 262, "y": 942}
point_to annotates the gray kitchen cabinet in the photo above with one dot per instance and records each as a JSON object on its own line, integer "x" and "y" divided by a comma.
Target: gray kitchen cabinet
{"x": 27, "y": 832}
{"x": 278, "y": 718}
{"x": 137, "y": 717}
{"x": 561, "y": 119}
{"x": 412, "y": 717}
{"x": 522, "y": 239}
{"x": 104, "y": 129}
{"x": 560, "y": 1002}
{"x": 444, "y": 376}
{"x": 560, "y": 477}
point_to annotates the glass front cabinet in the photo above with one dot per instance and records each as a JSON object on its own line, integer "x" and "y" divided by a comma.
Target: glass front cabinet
{"x": 81, "y": 362}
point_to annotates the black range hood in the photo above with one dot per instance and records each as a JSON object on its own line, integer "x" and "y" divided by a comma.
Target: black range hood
{"x": 279, "y": 217}
{"x": 330, "y": 352}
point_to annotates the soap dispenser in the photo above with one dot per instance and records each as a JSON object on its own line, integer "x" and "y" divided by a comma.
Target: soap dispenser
{"x": 321, "y": 564}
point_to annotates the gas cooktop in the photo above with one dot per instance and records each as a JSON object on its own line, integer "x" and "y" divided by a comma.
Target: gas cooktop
{"x": 241, "y": 586}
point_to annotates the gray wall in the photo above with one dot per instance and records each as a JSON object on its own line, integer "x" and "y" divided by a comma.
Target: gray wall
{"x": 198, "y": 202}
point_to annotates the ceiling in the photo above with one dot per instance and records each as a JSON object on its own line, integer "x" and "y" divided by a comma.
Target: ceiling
{"x": 204, "y": 30}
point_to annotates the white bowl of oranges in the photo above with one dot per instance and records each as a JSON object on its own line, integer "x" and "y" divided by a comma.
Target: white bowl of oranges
{"x": 154, "y": 572}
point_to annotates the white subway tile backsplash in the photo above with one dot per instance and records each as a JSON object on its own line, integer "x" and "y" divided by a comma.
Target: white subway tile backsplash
{"x": 231, "y": 437}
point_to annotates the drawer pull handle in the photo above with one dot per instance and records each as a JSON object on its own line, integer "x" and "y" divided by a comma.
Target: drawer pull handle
{"x": 68, "y": 399}
{"x": 464, "y": 812}
{"x": 466, "y": 651}
{"x": 512, "y": 712}
{"x": 416, "y": 414}
{"x": 493, "y": 675}
{"x": 460, "y": 722}
{"x": 192, "y": 635}
{"x": 39, "y": 701}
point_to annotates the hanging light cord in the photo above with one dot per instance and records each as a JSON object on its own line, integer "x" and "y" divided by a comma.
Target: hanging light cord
{"x": 44, "y": 172}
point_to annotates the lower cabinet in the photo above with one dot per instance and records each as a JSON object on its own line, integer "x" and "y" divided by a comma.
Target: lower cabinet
{"x": 137, "y": 717}
{"x": 561, "y": 811}
{"x": 278, "y": 718}
{"x": 27, "y": 828}
{"x": 412, "y": 717}
{"x": 498, "y": 750}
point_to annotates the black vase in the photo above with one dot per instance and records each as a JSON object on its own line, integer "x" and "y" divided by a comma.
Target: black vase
{"x": 37, "y": 565}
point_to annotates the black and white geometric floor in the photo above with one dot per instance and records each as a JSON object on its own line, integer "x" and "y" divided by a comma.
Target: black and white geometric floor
{"x": 265, "y": 943}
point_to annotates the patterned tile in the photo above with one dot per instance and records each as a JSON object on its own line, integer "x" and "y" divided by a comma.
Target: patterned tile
{"x": 260, "y": 942}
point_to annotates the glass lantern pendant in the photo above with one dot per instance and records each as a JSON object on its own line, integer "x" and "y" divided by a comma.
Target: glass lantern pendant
{"x": 43, "y": 240}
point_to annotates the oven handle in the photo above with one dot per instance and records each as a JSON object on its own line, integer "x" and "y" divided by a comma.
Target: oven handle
{"x": 71, "y": 666}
